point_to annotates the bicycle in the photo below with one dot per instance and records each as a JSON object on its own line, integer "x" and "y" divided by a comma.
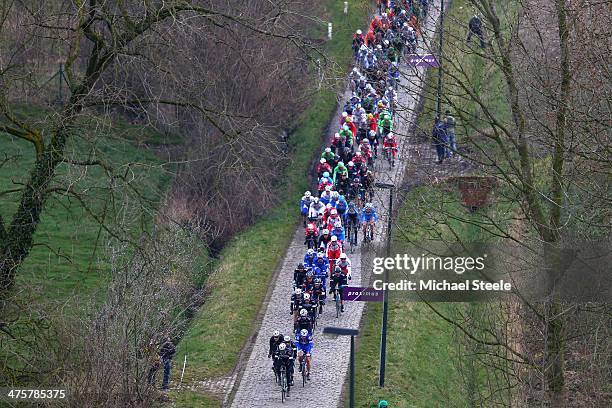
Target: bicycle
{"x": 389, "y": 156}
{"x": 352, "y": 232}
{"x": 311, "y": 242}
{"x": 284, "y": 383}
{"x": 303, "y": 370}
{"x": 368, "y": 233}
{"x": 338, "y": 300}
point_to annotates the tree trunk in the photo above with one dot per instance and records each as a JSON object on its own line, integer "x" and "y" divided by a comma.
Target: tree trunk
{"x": 19, "y": 235}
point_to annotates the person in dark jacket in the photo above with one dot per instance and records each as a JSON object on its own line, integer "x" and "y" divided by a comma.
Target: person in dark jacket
{"x": 438, "y": 138}
{"x": 475, "y": 28}
{"x": 166, "y": 352}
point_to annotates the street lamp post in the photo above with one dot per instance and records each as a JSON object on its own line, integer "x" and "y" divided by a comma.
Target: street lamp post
{"x": 383, "y": 329}
{"x": 439, "y": 98}
{"x": 341, "y": 331}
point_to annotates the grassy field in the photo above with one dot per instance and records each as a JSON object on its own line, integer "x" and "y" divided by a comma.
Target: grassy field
{"x": 427, "y": 364}
{"x": 64, "y": 263}
{"x": 247, "y": 264}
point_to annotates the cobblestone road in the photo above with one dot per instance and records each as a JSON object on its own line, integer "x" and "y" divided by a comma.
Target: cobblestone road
{"x": 256, "y": 387}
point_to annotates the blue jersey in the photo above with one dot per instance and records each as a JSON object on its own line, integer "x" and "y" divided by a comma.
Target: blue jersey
{"x": 365, "y": 217}
{"x": 322, "y": 263}
{"x": 304, "y": 206}
{"x": 339, "y": 232}
{"x": 304, "y": 344}
{"x": 309, "y": 261}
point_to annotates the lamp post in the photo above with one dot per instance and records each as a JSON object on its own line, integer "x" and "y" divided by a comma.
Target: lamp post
{"x": 439, "y": 98}
{"x": 383, "y": 328}
{"x": 341, "y": 331}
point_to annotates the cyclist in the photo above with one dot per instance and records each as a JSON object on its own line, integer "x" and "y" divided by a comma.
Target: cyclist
{"x": 373, "y": 140}
{"x": 333, "y": 218}
{"x": 325, "y": 181}
{"x": 355, "y": 189}
{"x": 359, "y": 159}
{"x": 305, "y": 202}
{"x": 352, "y": 217}
{"x": 321, "y": 262}
{"x": 285, "y": 357}
{"x": 308, "y": 283}
{"x": 390, "y": 142}
{"x": 337, "y": 282}
{"x": 309, "y": 305}
{"x": 299, "y": 274}
{"x": 366, "y": 150}
{"x": 322, "y": 167}
{"x": 290, "y": 345}
{"x": 347, "y": 136}
{"x": 312, "y": 234}
{"x": 303, "y": 322}
{"x": 318, "y": 293}
{"x": 324, "y": 239}
{"x": 326, "y": 195}
{"x": 345, "y": 266}
{"x": 275, "y": 340}
{"x": 385, "y": 123}
{"x": 352, "y": 170}
{"x": 338, "y": 232}
{"x": 337, "y": 143}
{"x": 342, "y": 184}
{"x": 335, "y": 196}
{"x": 309, "y": 258}
{"x": 305, "y": 346}
{"x": 334, "y": 249}
{"x": 329, "y": 156}
{"x": 316, "y": 208}
{"x": 368, "y": 217}
{"x": 296, "y": 303}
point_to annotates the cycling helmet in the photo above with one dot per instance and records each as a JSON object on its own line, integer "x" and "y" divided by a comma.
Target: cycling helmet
{"x": 327, "y": 149}
{"x": 358, "y": 32}
{"x": 334, "y": 238}
{"x": 358, "y": 154}
{"x": 370, "y": 116}
{"x": 310, "y": 227}
{"x": 316, "y": 199}
{"x": 383, "y": 404}
{"x": 300, "y": 266}
{"x": 306, "y": 296}
{"x": 369, "y": 205}
{"x": 379, "y": 47}
{"x": 320, "y": 255}
{"x": 390, "y": 134}
{"x": 328, "y": 188}
{"x": 287, "y": 338}
{"x": 325, "y": 231}
{"x": 304, "y": 332}
{"x": 335, "y": 195}
{"x": 303, "y": 312}
{"x": 307, "y": 194}
{"x": 317, "y": 281}
{"x": 337, "y": 269}
{"x": 342, "y": 256}
{"x": 386, "y": 42}
{"x": 276, "y": 333}
{"x": 309, "y": 274}
{"x": 364, "y": 141}
{"x": 358, "y": 106}
{"x": 349, "y": 119}
{"x": 282, "y": 347}
{"x": 336, "y": 135}
{"x": 372, "y": 133}
{"x": 345, "y": 114}
{"x": 351, "y": 164}
{"x": 333, "y": 211}
{"x": 298, "y": 291}
{"x": 310, "y": 251}
{"x": 338, "y": 224}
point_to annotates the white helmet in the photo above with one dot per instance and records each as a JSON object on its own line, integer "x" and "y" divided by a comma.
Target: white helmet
{"x": 328, "y": 188}
{"x": 303, "y": 312}
{"x": 355, "y": 69}
{"x": 287, "y": 338}
{"x": 338, "y": 224}
{"x": 310, "y": 251}
{"x": 358, "y": 106}
{"x": 343, "y": 256}
{"x": 307, "y": 194}
{"x": 320, "y": 255}
{"x": 336, "y": 135}
{"x": 334, "y": 238}
{"x": 304, "y": 332}
{"x": 345, "y": 114}
{"x": 327, "y": 149}
{"x": 350, "y": 163}
{"x": 316, "y": 199}
{"x": 335, "y": 195}
{"x": 322, "y": 161}
{"x": 306, "y": 297}
{"x": 276, "y": 333}
{"x": 358, "y": 154}
{"x": 390, "y": 134}
{"x": 325, "y": 231}
{"x": 282, "y": 347}
{"x": 379, "y": 47}
{"x": 298, "y": 291}
{"x": 358, "y": 32}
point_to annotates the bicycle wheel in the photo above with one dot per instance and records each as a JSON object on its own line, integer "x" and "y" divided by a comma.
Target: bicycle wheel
{"x": 283, "y": 384}
{"x": 303, "y": 365}
{"x": 337, "y": 299}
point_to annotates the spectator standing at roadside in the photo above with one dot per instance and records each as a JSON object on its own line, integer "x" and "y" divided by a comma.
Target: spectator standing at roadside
{"x": 450, "y": 123}
{"x": 475, "y": 28}
{"x": 438, "y": 138}
{"x": 166, "y": 352}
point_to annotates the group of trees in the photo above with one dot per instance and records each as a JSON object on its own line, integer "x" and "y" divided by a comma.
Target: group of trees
{"x": 225, "y": 76}
{"x": 534, "y": 112}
